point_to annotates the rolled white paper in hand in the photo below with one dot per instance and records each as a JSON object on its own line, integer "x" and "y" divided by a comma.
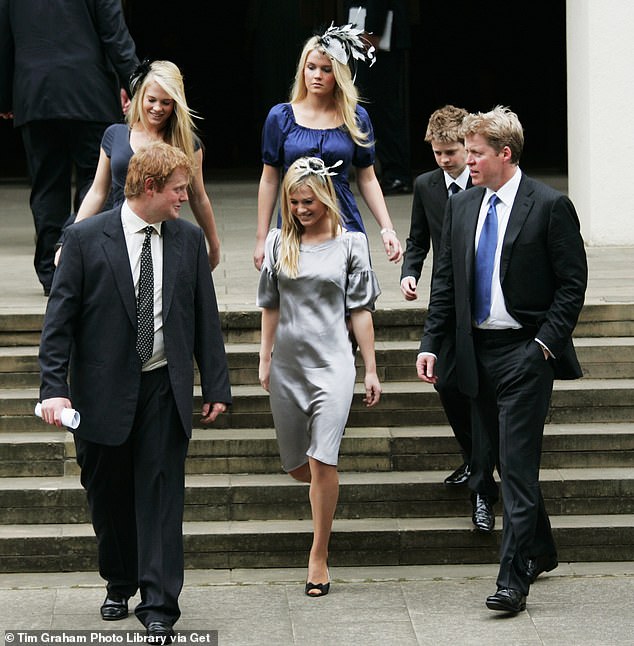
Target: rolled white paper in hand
{"x": 70, "y": 417}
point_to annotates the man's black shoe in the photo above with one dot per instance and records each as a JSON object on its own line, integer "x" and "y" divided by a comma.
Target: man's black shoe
{"x": 507, "y": 600}
{"x": 396, "y": 187}
{"x": 483, "y": 517}
{"x": 114, "y": 608}
{"x": 540, "y": 564}
{"x": 459, "y": 477}
{"x": 159, "y": 632}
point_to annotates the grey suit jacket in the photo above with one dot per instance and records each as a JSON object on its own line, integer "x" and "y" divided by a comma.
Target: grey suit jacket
{"x": 543, "y": 273}
{"x": 90, "y": 327}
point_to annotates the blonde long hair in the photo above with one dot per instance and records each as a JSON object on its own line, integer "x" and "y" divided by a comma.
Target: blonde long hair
{"x": 180, "y": 129}
{"x": 345, "y": 93}
{"x": 298, "y": 175}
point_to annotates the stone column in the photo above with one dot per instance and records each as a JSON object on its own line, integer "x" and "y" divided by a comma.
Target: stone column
{"x": 600, "y": 52}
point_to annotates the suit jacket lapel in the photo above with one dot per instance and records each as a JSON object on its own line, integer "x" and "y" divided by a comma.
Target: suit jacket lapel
{"x": 522, "y": 206}
{"x": 172, "y": 253}
{"x": 472, "y": 202}
{"x": 115, "y": 248}
{"x": 438, "y": 189}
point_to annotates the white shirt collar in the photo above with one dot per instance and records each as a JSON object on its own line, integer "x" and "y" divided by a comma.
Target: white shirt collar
{"x": 461, "y": 180}
{"x": 508, "y": 191}
{"x": 133, "y": 223}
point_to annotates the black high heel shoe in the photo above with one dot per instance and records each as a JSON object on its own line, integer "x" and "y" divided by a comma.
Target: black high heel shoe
{"x": 323, "y": 588}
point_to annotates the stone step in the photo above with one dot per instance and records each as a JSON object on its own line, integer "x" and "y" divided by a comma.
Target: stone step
{"x": 606, "y": 357}
{"x": 564, "y": 446}
{"x": 424, "y": 448}
{"x": 42, "y": 453}
{"x": 399, "y": 324}
{"x": 403, "y": 403}
{"x": 600, "y": 358}
{"x": 606, "y": 320}
{"x": 367, "y": 542}
{"x": 362, "y": 495}
{"x": 596, "y": 320}
{"x": 20, "y": 329}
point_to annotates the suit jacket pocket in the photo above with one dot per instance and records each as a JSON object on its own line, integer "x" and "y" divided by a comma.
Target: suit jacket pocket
{"x": 566, "y": 365}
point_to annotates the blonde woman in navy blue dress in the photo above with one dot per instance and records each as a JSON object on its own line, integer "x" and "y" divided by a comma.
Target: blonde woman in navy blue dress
{"x": 313, "y": 273}
{"x": 323, "y": 119}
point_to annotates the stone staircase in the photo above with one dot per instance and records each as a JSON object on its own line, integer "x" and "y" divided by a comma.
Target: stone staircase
{"x": 242, "y": 511}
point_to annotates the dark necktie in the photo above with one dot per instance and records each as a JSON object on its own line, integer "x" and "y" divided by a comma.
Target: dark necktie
{"x": 485, "y": 260}
{"x": 453, "y": 188}
{"x": 145, "y": 301}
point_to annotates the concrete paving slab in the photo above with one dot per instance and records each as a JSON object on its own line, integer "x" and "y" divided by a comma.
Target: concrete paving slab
{"x": 577, "y": 604}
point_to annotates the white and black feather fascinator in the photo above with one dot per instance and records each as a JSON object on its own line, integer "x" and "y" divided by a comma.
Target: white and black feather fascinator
{"x": 347, "y": 44}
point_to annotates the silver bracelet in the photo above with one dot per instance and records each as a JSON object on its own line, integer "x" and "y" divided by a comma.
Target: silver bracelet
{"x": 386, "y": 230}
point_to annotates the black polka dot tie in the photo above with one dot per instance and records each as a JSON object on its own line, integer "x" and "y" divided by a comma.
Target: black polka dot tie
{"x": 145, "y": 301}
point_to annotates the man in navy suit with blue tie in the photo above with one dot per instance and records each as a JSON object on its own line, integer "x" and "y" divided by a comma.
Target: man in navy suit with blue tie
{"x": 511, "y": 280}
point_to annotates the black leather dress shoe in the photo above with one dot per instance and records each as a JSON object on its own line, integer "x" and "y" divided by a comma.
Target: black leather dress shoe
{"x": 114, "y": 608}
{"x": 507, "y": 600}
{"x": 396, "y": 187}
{"x": 159, "y": 632}
{"x": 540, "y": 564}
{"x": 483, "y": 517}
{"x": 459, "y": 477}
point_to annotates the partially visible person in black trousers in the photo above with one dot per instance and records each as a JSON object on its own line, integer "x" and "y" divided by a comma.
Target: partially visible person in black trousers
{"x": 132, "y": 305}
{"x": 64, "y": 69}
{"x": 511, "y": 280}
{"x": 385, "y": 86}
{"x": 431, "y": 192}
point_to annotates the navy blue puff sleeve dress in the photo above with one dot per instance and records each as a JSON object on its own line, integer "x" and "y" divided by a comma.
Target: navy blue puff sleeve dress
{"x": 284, "y": 141}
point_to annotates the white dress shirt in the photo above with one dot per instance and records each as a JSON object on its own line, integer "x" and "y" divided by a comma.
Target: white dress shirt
{"x": 499, "y": 318}
{"x": 134, "y": 231}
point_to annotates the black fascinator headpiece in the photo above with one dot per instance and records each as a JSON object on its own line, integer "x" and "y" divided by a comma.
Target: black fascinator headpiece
{"x": 136, "y": 78}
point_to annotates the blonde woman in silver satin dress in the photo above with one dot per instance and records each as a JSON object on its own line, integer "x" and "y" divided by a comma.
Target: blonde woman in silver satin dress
{"x": 314, "y": 275}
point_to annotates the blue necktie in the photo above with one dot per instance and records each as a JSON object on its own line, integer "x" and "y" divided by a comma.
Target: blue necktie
{"x": 485, "y": 260}
{"x": 453, "y": 188}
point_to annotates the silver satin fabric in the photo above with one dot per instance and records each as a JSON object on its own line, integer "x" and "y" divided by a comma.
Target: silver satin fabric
{"x": 312, "y": 369}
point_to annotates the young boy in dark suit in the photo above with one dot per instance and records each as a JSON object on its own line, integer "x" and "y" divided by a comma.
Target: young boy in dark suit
{"x": 431, "y": 192}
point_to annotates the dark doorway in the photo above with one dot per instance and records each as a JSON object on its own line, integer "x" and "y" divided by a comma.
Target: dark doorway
{"x": 239, "y": 58}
